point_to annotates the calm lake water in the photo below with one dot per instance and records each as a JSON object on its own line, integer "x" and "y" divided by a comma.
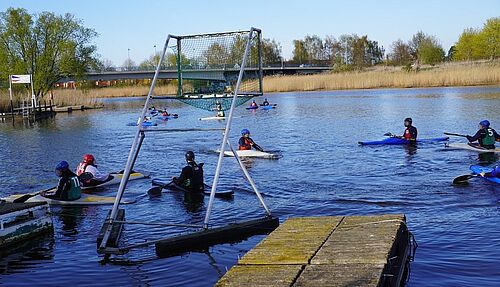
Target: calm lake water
{"x": 322, "y": 172}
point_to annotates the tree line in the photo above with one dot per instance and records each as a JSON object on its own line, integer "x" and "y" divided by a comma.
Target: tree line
{"x": 51, "y": 47}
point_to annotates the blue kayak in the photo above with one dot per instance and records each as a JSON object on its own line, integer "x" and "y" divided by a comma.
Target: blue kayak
{"x": 252, "y": 107}
{"x": 398, "y": 141}
{"x": 144, "y": 124}
{"x": 268, "y": 107}
{"x": 163, "y": 118}
{"x": 477, "y": 169}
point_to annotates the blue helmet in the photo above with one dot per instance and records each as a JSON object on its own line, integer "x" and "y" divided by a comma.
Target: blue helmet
{"x": 485, "y": 123}
{"x": 63, "y": 165}
{"x": 245, "y": 132}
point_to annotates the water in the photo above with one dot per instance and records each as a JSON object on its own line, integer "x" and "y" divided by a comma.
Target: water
{"x": 323, "y": 172}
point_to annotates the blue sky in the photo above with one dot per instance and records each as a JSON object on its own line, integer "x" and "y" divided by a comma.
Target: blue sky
{"x": 139, "y": 25}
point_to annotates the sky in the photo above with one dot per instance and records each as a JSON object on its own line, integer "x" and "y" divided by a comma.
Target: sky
{"x": 140, "y": 25}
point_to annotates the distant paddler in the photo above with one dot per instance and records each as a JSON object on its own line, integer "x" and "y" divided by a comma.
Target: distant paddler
{"x": 246, "y": 142}
{"x": 88, "y": 173}
{"x": 265, "y": 103}
{"x": 68, "y": 187}
{"x": 485, "y": 136}
{"x": 220, "y": 111}
{"x": 191, "y": 178}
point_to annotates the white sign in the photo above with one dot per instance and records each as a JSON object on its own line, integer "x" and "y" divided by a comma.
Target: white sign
{"x": 20, "y": 79}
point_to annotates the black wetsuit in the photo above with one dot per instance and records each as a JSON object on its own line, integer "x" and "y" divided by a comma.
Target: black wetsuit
{"x": 191, "y": 177}
{"x": 482, "y": 134}
{"x": 410, "y": 133}
{"x": 67, "y": 188}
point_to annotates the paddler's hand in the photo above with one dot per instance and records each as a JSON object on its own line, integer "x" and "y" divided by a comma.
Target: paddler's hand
{"x": 469, "y": 138}
{"x": 482, "y": 174}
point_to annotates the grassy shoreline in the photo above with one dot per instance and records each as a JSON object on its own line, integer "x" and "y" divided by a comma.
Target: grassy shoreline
{"x": 482, "y": 73}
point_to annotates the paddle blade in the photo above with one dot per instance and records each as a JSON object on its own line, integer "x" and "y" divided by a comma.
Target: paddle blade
{"x": 155, "y": 191}
{"x": 388, "y": 134}
{"x": 23, "y": 198}
{"x": 463, "y": 178}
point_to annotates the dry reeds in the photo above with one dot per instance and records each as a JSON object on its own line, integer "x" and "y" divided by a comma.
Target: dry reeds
{"x": 465, "y": 74}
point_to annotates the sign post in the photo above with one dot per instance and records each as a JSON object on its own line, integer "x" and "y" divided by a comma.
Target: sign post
{"x": 21, "y": 79}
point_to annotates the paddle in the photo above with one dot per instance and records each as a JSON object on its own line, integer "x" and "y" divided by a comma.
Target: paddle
{"x": 156, "y": 190}
{"x": 464, "y": 178}
{"x": 457, "y": 135}
{"x": 391, "y": 135}
{"x": 27, "y": 196}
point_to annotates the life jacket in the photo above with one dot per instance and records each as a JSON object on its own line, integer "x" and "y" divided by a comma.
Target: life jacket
{"x": 81, "y": 168}
{"x": 254, "y": 104}
{"x": 407, "y": 134}
{"x": 195, "y": 183}
{"x": 247, "y": 144}
{"x": 75, "y": 192}
{"x": 488, "y": 138}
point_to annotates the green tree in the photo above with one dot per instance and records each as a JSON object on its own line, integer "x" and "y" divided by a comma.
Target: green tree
{"x": 468, "y": 46}
{"x": 490, "y": 38}
{"x": 430, "y": 53}
{"x": 46, "y": 45}
{"x": 271, "y": 52}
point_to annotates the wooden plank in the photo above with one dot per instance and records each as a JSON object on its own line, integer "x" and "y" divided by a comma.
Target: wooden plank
{"x": 365, "y": 240}
{"x": 260, "y": 275}
{"x": 8, "y": 207}
{"x": 340, "y": 275}
{"x": 294, "y": 242}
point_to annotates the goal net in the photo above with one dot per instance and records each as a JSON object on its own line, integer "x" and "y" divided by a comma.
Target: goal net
{"x": 208, "y": 66}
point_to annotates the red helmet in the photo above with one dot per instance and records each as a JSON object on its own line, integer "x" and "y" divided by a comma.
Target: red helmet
{"x": 88, "y": 158}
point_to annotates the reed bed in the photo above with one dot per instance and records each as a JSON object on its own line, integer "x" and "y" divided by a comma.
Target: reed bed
{"x": 442, "y": 76}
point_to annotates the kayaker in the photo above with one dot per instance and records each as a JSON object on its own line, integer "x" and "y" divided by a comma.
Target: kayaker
{"x": 253, "y": 104}
{"x": 265, "y": 103}
{"x": 485, "y": 136}
{"x": 220, "y": 111}
{"x": 68, "y": 187}
{"x": 191, "y": 177}
{"x": 88, "y": 173}
{"x": 165, "y": 113}
{"x": 494, "y": 173}
{"x": 410, "y": 132}
{"x": 246, "y": 142}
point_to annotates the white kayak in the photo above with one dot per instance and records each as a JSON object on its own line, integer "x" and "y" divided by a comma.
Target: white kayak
{"x": 115, "y": 178}
{"x": 252, "y": 153}
{"x": 470, "y": 147}
{"x": 85, "y": 199}
{"x": 215, "y": 118}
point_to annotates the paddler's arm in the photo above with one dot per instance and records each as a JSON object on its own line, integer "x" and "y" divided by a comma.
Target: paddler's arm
{"x": 256, "y": 146}
{"x": 475, "y": 137}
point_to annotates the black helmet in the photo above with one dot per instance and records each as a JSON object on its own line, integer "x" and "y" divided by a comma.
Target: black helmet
{"x": 408, "y": 120}
{"x": 189, "y": 155}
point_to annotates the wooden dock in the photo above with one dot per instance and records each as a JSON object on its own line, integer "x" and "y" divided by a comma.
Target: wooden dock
{"x": 328, "y": 251}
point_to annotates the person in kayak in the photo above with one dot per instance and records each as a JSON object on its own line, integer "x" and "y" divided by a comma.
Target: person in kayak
{"x": 410, "y": 132}
{"x": 220, "y": 111}
{"x": 253, "y": 104}
{"x": 494, "y": 173}
{"x": 68, "y": 187}
{"x": 88, "y": 173}
{"x": 246, "y": 142}
{"x": 191, "y": 177}
{"x": 265, "y": 103}
{"x": 485, "y": 136}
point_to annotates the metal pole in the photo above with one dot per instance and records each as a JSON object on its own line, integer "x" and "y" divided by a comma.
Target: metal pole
{"x": 249, "y": 178}
{"x": 33, "y": 92}
{"x": 130, "y": 159}
{"x": 226, "y": 131}
{"x": 261, "y": 73}
{"x": 10, "y": 94}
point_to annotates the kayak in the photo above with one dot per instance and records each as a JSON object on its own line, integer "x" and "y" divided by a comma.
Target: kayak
{"x": 212, "y": 118}
{"x": 398, "y": 141}
{"x": 477, "y": 169}
{"x": 215, "y": 118}
{"x": 470, "y": 147}
{"x": 268, "y": 107}
{"x": 252, "y": 153}
{"x": 115, "y": 178}
{"x": 174, "y": 187}
{"x": 252, "y": 107}
{"x": 85, "y": 199}
{"x": 144, "y": 124}
{"x": 164, "y": 118}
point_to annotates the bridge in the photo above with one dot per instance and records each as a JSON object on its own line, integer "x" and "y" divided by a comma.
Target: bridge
{"x": 196, "y": 74}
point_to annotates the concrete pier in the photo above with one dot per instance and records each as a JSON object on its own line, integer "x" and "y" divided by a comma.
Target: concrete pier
{"x": 327, "y": 251}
